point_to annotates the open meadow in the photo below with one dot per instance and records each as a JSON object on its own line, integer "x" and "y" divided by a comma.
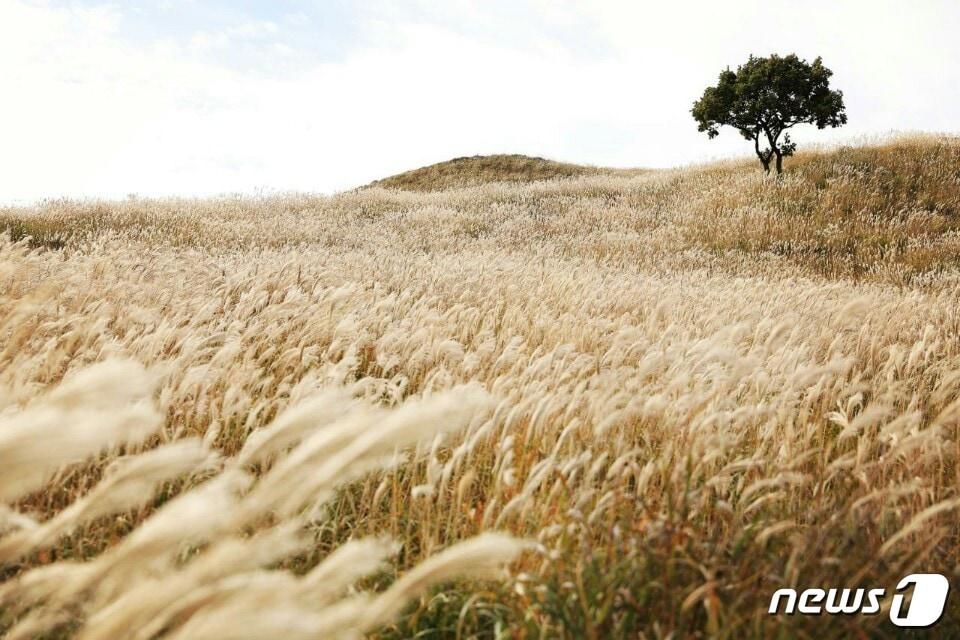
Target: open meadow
{"x": 653, "y": 397}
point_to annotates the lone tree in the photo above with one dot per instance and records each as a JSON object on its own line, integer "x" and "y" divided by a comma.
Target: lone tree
{"x": 766, "y": 96}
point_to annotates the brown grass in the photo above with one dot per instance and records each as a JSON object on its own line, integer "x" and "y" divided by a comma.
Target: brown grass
{"x": 689, "y": 388}
{"x": 476, "y": 170}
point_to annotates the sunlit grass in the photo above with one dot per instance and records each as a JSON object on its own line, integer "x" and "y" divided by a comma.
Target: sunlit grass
{"x": 686, "y": 388}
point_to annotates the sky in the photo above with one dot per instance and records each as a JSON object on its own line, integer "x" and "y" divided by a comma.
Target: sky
{"x": 194, "y": 97}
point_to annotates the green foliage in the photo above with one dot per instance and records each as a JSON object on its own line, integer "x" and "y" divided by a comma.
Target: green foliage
{"x": 765, "y": 97}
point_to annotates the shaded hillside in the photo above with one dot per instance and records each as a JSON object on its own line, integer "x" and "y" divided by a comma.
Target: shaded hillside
{"x": 467, "y": 171}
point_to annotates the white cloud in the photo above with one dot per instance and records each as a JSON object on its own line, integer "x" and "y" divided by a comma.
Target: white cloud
{"x": 95, "y": 111}
{"x": 250, "y": 30}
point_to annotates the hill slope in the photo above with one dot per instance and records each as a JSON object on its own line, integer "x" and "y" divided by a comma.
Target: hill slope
{"x": 472, "y": 170}
{"x": 885, "y": 212}
{"x": 690, "y": 387}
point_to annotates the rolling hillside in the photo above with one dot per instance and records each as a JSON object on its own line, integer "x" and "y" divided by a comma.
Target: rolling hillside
{"x": 682, "y": 390}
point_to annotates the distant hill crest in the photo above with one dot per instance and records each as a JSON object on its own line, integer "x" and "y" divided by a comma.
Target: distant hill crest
{"x": 473, "y": 170}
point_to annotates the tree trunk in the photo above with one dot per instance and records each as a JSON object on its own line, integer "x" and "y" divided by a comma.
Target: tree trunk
{"x": 764, "y": 158}
{"x": 779, "y": 163}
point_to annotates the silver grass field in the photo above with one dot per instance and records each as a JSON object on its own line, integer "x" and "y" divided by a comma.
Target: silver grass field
{"x": 613, "y": 404}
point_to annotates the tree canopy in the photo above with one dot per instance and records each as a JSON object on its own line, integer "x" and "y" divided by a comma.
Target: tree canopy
{"x": 765, "y": 97}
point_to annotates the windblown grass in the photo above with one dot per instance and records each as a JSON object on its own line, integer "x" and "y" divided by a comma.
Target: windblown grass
{"x": 690, "y": 388}
{"x": 199, "y": 565}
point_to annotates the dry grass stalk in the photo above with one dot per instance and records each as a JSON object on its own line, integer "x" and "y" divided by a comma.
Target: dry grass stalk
{"x": 690, "y": 387}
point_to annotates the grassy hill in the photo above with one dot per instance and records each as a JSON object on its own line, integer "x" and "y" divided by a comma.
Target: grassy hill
{"x": 473, "y": 170}
{"x": 887, "y": 212}
{"x": 689, "y": 387}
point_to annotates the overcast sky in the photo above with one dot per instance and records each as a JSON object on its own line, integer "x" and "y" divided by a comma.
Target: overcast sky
{"x": 196, "y": 97}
